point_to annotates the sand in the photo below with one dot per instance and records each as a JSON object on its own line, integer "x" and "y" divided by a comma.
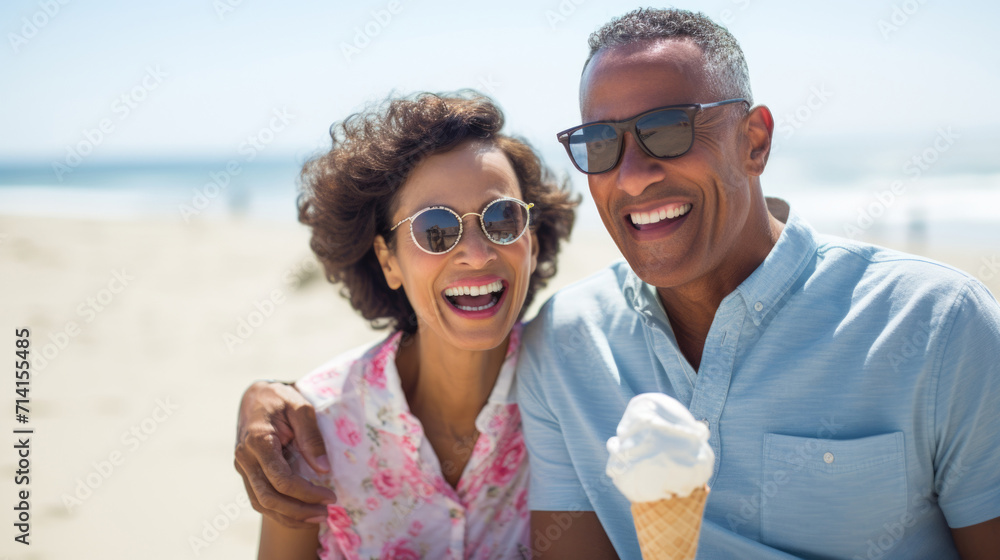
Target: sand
{"x": 134, "y": 410}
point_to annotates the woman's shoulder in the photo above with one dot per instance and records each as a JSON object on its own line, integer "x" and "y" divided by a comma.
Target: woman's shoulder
{"x": 326, "y": 383}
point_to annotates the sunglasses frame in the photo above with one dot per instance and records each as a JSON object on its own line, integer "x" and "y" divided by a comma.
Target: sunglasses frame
{"x": 461, "y": 223}
{"x": 629, "y": 125}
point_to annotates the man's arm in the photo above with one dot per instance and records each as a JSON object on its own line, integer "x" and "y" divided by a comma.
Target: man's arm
{"x": 272, "y": 415}
{"x": 569, "y": 534}
{"x": 966, "y": 419}
{"x": 976, "y": 542}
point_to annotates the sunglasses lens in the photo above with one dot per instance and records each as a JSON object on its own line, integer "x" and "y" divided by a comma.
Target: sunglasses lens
{"x": 595, "y": 148}
{"x": 505, "y": 221}
{"x": 666, "y": 133}
{"x": 436, "y": 230}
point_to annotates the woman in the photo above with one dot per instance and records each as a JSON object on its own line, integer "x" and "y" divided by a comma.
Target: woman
{"x": 443, "y": 229}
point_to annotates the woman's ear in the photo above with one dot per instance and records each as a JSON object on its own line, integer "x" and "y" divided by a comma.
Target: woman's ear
{"x": 387, "y": 260}
{"x": 534, "y": 252}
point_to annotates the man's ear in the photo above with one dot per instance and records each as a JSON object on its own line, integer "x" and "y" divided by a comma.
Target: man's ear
{"x": 388, "y": 262}
{"x": 759, "y": 130}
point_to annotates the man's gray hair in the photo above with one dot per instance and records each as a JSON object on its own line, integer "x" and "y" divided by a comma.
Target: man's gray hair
{"x": 724, "y": 62}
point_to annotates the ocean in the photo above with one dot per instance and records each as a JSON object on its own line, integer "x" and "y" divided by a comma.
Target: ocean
{"x": 924, "y": 196}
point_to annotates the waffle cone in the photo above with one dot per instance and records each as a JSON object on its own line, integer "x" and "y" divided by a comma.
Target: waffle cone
{"x": 668, "y": 529}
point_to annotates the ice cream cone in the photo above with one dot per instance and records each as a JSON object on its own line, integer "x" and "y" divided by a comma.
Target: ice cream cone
{"x": 668, "y": 529}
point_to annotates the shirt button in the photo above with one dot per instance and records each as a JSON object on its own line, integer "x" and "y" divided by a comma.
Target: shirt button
{"x": 828, "y": 457}
{"x": 758, "y": 306}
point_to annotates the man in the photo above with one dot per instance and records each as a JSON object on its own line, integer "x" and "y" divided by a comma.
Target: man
{"x": 851, "y": 392}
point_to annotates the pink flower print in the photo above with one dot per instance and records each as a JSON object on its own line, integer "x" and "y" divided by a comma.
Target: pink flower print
{"x": 398, "y": 549}
{"x": 338, "y": 518}
{"x": 515, "y": 340}
{"x": 415, "y": 528}
{"x": 349, "y": 542}
{"x": 508, "y": 460}
{"x": 482, "y": 446}
{"x": 375, "y": 376}
{"x": 521, "y": 503}
{"x": 410, "y": 423}
{"x": 348, "y": 432}
{"x": 407, "y": 444}
{"x": 387, "y": 483}
{"x": 498, "y": 420}
{"x": 411, "y": 471}
{"x": 371, "y": 503}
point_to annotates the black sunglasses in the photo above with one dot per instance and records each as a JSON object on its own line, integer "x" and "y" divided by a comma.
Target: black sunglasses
{"x": 664, "y": 132}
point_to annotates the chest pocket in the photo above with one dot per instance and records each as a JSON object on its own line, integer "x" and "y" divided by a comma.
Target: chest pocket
{"x": 831, "y": 496}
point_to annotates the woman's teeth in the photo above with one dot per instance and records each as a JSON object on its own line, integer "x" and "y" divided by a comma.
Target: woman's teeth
{"x": 481, "y": 307}
{"x": 474, "y": 290}
{"x": 643, "y": 218}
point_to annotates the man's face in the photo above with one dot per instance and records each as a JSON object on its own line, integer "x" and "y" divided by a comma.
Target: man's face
{"x": 709, "y": 179}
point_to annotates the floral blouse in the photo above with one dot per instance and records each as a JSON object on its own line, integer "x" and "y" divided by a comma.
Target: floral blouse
{"x": 392, "y": 500}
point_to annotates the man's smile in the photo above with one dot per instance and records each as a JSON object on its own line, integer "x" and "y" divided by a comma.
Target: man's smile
{"x": 666, "y": 212}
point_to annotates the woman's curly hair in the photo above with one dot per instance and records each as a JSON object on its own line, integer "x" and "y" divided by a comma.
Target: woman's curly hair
{"x": 348, "y": 194}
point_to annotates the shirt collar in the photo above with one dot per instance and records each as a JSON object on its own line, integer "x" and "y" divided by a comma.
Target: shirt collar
{"x": 767, "y": 285}
{"x": 391, "y": 407}
{"x": 762, "y": 290}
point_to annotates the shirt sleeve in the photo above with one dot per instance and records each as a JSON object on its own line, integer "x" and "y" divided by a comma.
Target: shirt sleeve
{"x": 555, "y": 485}
{"x": 967, "y": 423}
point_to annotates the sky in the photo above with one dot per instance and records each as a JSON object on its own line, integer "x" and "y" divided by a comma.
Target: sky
{"x": 197, "y": 78}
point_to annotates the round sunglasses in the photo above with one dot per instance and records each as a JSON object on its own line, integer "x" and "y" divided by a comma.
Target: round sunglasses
{"x": 663, "y": 133}
{"x": 438, "y": 229}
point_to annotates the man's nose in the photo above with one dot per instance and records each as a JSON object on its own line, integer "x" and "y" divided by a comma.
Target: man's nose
{"x": 636, "y": 170}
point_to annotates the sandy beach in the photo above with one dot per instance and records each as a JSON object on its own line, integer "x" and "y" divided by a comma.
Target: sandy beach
{"x": 147, "y": 333}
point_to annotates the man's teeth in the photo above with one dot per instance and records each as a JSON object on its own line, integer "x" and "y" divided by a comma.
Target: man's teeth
{"x": 474, "y": 290}
{"x": 643, "y": 218}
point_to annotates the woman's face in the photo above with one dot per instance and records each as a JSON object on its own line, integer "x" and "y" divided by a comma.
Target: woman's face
{"x": 464, "y": 179}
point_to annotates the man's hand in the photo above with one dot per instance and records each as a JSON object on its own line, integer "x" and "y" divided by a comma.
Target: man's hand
{"x": 272, "y": 415}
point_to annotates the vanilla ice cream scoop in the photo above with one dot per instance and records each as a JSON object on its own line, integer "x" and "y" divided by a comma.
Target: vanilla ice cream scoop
{"x": 660, "y": 451}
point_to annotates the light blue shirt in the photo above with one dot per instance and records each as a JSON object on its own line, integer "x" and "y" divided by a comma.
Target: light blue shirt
{"x": 852, "y": 393}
